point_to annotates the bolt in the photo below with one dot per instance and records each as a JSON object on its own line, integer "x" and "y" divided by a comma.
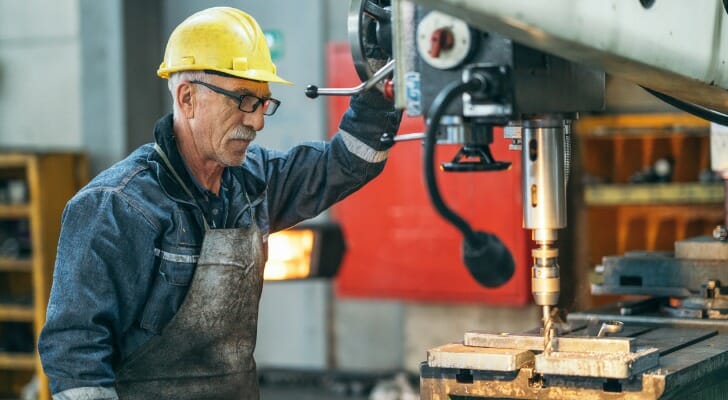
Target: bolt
{"x": 720, "y": 233}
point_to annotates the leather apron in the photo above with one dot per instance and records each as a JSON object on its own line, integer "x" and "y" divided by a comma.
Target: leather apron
{"x": 206, "y": 350}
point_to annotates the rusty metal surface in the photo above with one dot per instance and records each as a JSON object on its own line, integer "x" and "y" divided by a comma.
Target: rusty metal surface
{"x": 456, "y": 355}
{"x": 441, "y": 384}
{"x": 529, "y": 341}
{"x": 711, "y": 386}
{"x": 693, "y": 365}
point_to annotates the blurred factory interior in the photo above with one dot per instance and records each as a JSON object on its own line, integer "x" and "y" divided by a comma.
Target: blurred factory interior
{"x": 78, "y": 92}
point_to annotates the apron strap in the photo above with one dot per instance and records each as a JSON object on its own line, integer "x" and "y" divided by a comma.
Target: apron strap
{"x": 162, "y": 154}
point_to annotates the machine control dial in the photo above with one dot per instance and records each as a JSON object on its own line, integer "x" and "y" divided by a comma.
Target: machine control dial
{"x": 443, "y": 41}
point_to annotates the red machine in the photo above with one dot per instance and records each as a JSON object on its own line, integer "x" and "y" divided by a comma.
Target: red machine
{"x": 398, "y": 247}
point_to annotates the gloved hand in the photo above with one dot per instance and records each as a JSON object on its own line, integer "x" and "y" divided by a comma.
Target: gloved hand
{"x": 369, "y": 116}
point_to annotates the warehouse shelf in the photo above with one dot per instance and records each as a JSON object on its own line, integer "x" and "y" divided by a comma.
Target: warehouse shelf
{"x": 622, "y": 202}
{"x": 48, "y": 180}
{"x": 14, "y": 160}
{"x": 17, "y": 313}
{"x": 16, "y": 264}
{"x": 14, "y": 211}
{"x": 654, "y": 125}
{"x": 663, "y": 193}
{"x": 17, "y": 361}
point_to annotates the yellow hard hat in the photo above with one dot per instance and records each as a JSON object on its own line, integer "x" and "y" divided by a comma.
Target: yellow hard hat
{"x": 221, "y": 39}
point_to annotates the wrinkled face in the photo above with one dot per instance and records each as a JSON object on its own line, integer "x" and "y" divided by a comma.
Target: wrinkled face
{"x": 221, "y": 131}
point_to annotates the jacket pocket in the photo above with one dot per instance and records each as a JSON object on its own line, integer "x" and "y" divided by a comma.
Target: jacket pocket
{"x": 170, "y": 287}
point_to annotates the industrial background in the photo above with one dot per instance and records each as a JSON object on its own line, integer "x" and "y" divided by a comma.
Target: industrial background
{"x": 78, "y": 76}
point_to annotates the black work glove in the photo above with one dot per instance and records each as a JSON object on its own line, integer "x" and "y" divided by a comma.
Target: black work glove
{"x": 369, "y": 116}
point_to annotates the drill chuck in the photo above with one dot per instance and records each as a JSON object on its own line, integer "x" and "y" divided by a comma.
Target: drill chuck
{"x": 545, "y": 285}
{"x": 545, "y": 279}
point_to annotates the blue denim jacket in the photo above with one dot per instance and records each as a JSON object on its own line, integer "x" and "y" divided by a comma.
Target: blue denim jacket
{"x": 130, "y": 239}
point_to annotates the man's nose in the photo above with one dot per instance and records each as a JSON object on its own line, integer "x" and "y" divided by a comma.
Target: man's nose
{"x": 254, "y": 120}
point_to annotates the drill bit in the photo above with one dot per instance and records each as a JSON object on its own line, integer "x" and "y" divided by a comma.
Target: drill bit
{"x": 548, "y": 330}
{"x": 545, "y": 288}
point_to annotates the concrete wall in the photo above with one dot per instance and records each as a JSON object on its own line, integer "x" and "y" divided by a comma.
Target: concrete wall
{"x": 102, "y": 86}
{"x": 40, "y": 74}
{"x": 61, "y": 81}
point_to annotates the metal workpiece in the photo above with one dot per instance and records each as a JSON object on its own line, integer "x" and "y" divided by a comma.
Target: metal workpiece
{"x": 456, "y": 355}
{"x": 701, "y": 248}
{"x": 534, "y": 342}
{"x": 606, "y": 365}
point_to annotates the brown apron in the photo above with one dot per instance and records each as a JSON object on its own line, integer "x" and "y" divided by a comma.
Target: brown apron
{"x": 206, "y": 350}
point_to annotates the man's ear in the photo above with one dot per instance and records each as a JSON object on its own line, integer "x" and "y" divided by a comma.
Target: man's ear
{"x": 186, "y": 99}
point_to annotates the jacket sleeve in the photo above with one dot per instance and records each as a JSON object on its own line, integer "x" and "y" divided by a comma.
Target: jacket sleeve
{"x": 311, "y": 177}
{"x": 105, "y": 243}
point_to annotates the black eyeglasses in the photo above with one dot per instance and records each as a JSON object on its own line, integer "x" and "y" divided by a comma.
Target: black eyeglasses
{"x": 246, "y": 102}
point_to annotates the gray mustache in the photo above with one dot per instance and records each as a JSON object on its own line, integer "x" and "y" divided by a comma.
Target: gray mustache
{"x": 243, "y": 133}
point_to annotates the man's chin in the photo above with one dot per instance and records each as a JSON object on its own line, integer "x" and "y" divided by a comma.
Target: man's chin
{"x": 233, "y": 161}
{"x": 234, "y": 157}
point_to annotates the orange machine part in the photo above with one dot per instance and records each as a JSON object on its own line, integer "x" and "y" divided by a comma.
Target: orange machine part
{"x": 398, "y": 247}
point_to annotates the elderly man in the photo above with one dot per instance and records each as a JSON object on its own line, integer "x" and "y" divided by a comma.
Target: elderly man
{"x": 160, "y": 259}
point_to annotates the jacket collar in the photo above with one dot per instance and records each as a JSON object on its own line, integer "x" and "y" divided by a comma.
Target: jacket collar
{"x": 164, "y": 137}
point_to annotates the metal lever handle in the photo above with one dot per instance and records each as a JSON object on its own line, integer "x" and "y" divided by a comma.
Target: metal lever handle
{"x": 610, "y": 327}
{"x": 313, "y": 91}
{"x": 390, "y": 139}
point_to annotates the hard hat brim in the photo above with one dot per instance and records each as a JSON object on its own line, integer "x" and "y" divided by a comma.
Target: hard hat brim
{"x": 250, "y": 74}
